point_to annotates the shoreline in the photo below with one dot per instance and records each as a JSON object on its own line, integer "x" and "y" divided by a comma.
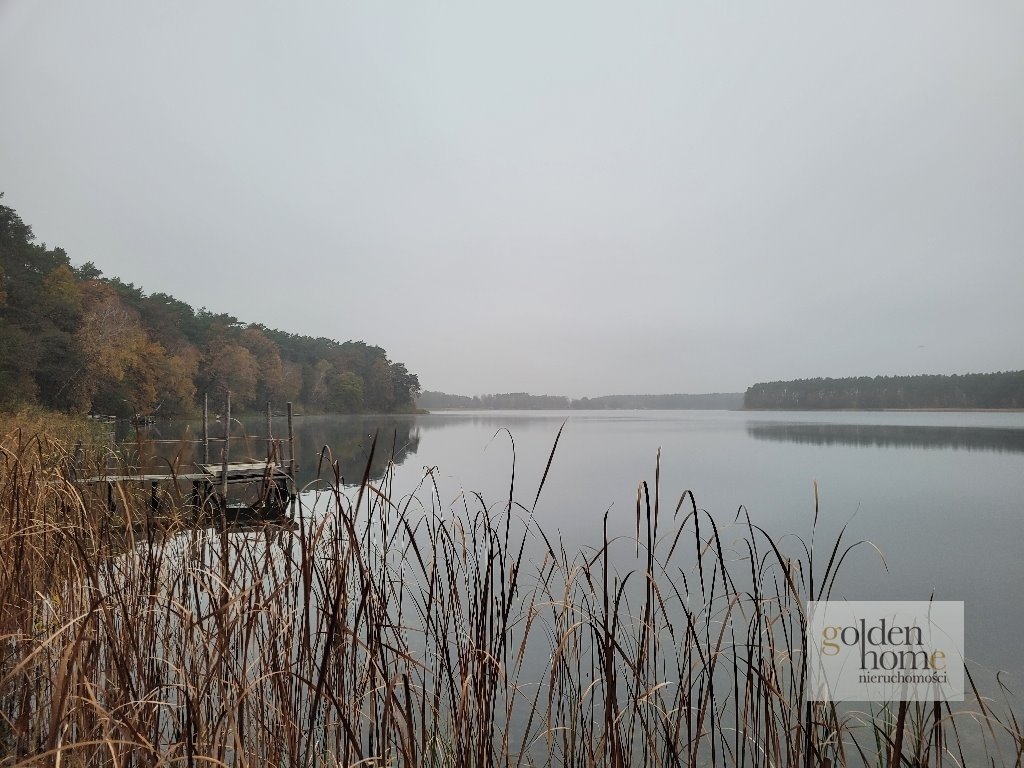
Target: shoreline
{"x": 883, "y": 410}
{"x": 731, "y": 410}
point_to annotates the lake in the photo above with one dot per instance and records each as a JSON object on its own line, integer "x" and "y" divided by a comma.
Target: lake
{"x": 939, "y": 494}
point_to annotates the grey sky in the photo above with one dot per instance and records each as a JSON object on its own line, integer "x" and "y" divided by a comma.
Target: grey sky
{"x": 574, "y": 198}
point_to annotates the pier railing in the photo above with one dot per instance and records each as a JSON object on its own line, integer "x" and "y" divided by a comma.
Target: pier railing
{"x": 211, "y": 475}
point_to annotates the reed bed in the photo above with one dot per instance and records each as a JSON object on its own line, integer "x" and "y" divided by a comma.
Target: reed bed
{"x": 385, "y": 631}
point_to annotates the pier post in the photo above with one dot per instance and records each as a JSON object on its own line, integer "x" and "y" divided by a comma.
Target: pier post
{"x": 206, "y": 429}
{"x": 270, "y": 438}
{"x": 110, "y": 461}
{"x": 224, "y": 452}
{"x": 291, "y": 448}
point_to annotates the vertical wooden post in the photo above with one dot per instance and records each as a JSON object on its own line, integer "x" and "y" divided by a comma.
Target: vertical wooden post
{"x": 206, "y": 428}
{"x": 291, "y": 446}
{"x": 270, "y": 438}
{"x": 224, "y": 452}
{"x": 293, "y": 490}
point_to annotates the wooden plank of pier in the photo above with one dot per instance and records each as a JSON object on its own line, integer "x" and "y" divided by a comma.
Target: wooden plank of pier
{"x": 166, "y": 476}
{"x": 244, "y": 471}
{"x": 237, "y": 472}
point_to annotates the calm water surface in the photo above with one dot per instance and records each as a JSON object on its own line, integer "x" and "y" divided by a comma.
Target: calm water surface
{"x": 941, "y": 495}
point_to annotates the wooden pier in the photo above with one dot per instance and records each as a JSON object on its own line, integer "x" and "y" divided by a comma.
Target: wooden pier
{"x": 273, "y": 476}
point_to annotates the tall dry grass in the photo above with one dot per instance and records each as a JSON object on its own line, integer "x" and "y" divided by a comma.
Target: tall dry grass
{"x": 403, "y": 631}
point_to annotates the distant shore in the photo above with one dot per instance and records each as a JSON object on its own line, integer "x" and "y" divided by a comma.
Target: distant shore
{"x": 745, "y": 410}
{"x": 884, "y": 410}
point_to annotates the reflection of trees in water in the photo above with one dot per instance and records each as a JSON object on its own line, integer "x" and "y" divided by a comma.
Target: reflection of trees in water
{"x": 892, "y": 436}
{"x": 350, "y": 439}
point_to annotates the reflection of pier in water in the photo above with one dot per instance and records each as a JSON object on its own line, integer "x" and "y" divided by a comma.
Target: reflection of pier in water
{"x": 131, "y": 469}
{"x": 891, "y": 436}
{"x": 348, "y": 437}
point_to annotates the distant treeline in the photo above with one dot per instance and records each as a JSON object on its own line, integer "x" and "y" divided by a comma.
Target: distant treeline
{"x": 74, "y": 340}
{"x": 524, "y": 401}
{"x": 972, "y": 390}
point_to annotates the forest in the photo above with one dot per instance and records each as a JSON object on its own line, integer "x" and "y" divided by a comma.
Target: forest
{"x": 972, "y": 390}
{"x": 74, "y": 340}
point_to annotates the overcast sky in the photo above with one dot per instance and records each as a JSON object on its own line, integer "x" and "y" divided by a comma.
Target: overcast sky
{"x": 573, "y": 198}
